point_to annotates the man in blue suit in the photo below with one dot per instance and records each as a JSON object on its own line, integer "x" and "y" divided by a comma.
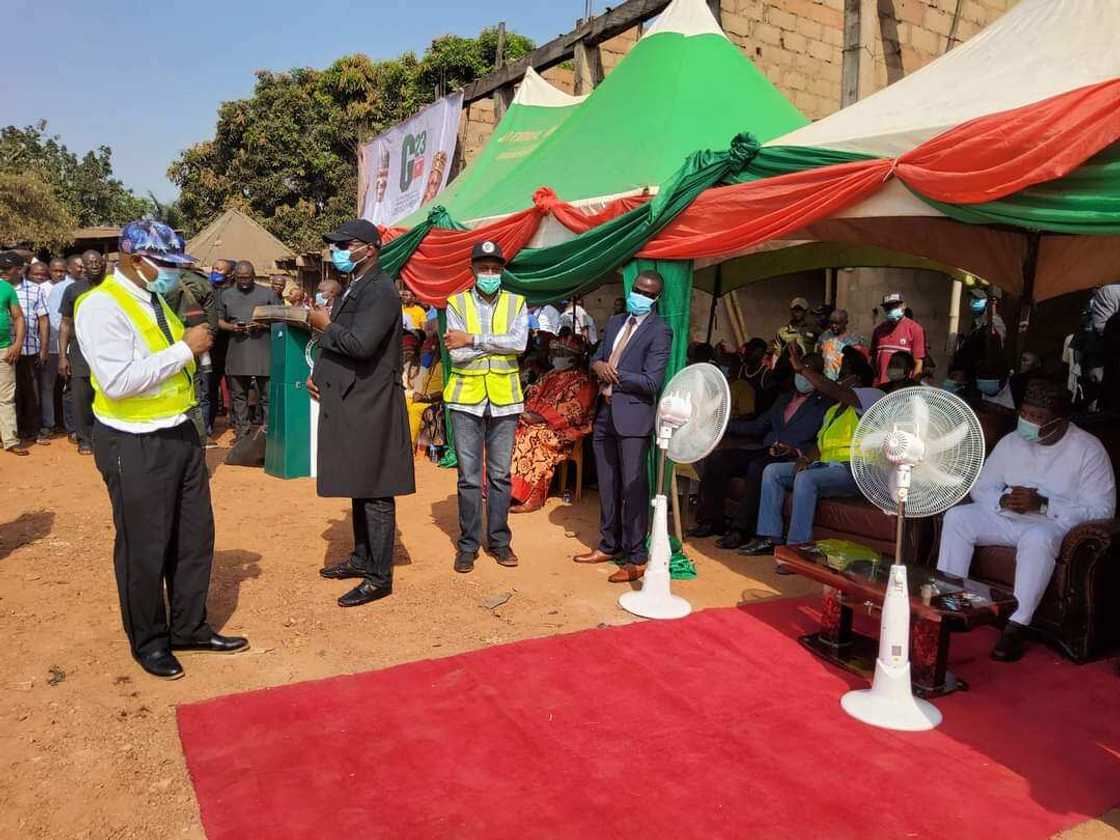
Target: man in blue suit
{"x": 630, "y": 365}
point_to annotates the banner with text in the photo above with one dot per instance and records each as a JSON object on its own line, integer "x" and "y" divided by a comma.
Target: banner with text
{"x": 407, "y": 166}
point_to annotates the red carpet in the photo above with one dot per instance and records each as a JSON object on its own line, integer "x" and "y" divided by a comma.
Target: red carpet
{"x": 716, "y": 726}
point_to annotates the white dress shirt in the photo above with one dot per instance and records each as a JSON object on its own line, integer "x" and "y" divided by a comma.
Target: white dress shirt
{"x": 577, "y": 319}
{"x": 120, "y": 360}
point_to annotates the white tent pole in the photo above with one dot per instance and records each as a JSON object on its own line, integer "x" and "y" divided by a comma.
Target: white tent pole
{"x": 954, "y": 316}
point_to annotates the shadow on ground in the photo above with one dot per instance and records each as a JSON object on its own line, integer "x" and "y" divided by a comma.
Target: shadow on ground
{"x": 231, "y": 569}
{"x": 24, "y": 530}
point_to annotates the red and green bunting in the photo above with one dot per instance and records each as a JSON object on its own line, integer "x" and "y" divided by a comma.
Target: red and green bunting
{"x": 1051, "y": 166}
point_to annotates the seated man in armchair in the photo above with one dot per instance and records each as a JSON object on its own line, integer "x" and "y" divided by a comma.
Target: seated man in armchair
{"x": 825, "y": 469}
{"x": 1039, "y": 482}
{"x": 789, "y": 427}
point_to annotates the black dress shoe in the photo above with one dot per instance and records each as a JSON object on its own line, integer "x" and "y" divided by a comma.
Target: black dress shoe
{"x": 1012, "y": 643}
{"x": 161, "y": 664}
{"x": 464, "y": 561}
{"x": 731, "y": 540}
{"x": 758, "y": 547}
{"x": 364, "y": 593}
{"x": 215, "y": 644}
{"x": 505, "y": 556}
{"x": 342, "y": 570}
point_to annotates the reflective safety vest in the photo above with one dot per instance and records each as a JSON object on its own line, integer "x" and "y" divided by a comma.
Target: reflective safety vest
{"x": 834, "y": 440}
{"x": 173, "y": 396}
{"x": 494, "y": 377}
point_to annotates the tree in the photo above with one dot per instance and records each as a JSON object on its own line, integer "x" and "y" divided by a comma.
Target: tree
{"x": 84, "y": 186}
{"x": 31, "y": 214}
{"x": 288, "y": 154}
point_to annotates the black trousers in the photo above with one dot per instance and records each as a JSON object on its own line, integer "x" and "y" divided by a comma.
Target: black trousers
{"x": 719, "y": 469}
{"x": 81, "y": 407}
{"x": 239, "y": 398}
{"x": 28, "y": 418}
{"x": 375, "y": 526}
{"x": 621, "y": 464}
{"x": 160, "y": 492}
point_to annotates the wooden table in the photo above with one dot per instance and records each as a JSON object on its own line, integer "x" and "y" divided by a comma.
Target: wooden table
{"x": 956, "y": 605}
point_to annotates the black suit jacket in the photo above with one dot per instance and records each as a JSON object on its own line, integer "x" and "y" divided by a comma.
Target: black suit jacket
{"x": 365, "y": 449}
{"x": 641, "y": 372}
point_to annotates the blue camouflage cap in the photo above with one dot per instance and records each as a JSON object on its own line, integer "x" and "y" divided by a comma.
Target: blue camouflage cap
{"x": 153, "y": 239}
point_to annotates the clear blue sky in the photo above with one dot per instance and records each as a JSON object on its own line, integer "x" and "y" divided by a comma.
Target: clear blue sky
{"x": 146, "y": 78}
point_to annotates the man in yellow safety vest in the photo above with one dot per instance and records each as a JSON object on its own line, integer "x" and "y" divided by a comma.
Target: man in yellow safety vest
{"x": 142, "y": 364}
{"x": 487, "y": 327}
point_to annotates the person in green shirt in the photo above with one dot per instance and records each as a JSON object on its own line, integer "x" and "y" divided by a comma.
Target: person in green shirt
{"x": 12, "y": 328}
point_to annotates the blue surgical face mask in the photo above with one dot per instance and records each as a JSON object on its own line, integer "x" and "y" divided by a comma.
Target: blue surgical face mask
{"x": 639, "y": 304}
{"x": 167, "y": 279}
{"x": 488, "y": 283}
{"x": 320, "y": 299}
{"x": 1028, "y": 430}
{"x": 895, "y": 314}
{"x": 341, "y": 260}
{"x": 978, "y": 305}
{"x": 988, "y": 387}
{"x": 217, "y": 278}
{"x": 952, "y": 386}
{"x": 803, "y": 385}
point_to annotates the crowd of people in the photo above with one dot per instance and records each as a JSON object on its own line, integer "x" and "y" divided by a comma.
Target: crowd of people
{"x": 511, "y": 391}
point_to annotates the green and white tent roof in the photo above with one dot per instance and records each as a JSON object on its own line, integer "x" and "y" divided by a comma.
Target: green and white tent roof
{"x": 684, "y": 86}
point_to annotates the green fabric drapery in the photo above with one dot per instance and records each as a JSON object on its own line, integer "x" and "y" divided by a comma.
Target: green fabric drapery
{"x": 570, "y": 268}
{"x": 675, "y": 307}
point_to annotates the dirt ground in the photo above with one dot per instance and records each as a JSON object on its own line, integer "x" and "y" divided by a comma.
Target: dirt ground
{"x": 88, "y": 742}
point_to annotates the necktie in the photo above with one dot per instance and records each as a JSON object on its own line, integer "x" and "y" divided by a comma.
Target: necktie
{"x": 619, "y": 346}
{"x": 164, "y": 327}
{"x": 161, "y": 319}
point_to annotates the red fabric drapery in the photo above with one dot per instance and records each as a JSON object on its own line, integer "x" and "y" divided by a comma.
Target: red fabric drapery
{"x": 978, "y": 161}
{"x": 728, "y": 220}
{"x": 994, "y": 156}
{"x": 441, "y": 265}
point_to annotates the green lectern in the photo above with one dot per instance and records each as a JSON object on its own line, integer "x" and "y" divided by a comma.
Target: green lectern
{"x": 288, "y": 453}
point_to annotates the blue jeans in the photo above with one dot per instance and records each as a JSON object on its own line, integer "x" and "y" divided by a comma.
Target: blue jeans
{"x": 818, "y": 480}
{"x": 474, "y": 438}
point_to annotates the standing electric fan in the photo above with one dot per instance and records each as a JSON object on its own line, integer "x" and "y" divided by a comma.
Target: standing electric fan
{"x": 915, "y": 453}
{"x": 691, "y": 419}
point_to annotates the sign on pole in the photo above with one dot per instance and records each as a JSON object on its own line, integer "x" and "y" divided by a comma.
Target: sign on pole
{"x": 407, "y": 166}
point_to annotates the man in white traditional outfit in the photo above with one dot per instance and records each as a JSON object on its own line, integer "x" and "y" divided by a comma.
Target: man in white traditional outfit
{"x": 1040, "y": 481}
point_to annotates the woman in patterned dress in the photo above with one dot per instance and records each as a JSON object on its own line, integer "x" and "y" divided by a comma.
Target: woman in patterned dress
{"x": 557, "y": 416}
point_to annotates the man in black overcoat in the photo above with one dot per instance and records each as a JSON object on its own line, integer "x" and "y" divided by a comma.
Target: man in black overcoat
{"x": 365, "y": 451}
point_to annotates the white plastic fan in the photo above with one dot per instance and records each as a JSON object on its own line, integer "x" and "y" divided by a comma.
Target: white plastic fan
{"x": 691, "y": 419}
{"x": 915, "y": 453}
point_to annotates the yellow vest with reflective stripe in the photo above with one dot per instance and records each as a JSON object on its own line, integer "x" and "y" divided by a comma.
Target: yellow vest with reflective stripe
{"x": 834, "y": 440}
{"x": 175, "y": 394}
{"x": 495, "y": 376}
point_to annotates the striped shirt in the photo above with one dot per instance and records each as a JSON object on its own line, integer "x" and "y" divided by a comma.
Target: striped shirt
{"x": 33, "y": 302}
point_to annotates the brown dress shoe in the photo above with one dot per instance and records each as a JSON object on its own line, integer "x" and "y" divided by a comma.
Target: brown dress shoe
{"x": 595, "y": 556}
{"x": 628, "y": 573}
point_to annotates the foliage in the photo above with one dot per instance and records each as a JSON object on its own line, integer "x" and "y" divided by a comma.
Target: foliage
{"x": 288, "y": 154}
{"x": 31, "y": 213}
{"x": 84, "y": 186}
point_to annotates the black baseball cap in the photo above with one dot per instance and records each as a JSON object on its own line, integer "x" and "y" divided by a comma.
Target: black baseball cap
{"x": 11, "y": 259}
{"x": 359, "y": 229}
{"x": 488, "y": 250}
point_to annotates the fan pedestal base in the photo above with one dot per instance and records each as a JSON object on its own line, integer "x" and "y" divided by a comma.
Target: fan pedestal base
{"x": 889, "y": 703}
{"x": 654, "y": 599}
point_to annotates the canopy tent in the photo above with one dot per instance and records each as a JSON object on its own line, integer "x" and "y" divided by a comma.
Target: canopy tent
{"x": 235, "y": 235}
{"x": 1028, "y": 168}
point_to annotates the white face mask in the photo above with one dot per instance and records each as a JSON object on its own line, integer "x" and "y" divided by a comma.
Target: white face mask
{"x": 564, "y": 362}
